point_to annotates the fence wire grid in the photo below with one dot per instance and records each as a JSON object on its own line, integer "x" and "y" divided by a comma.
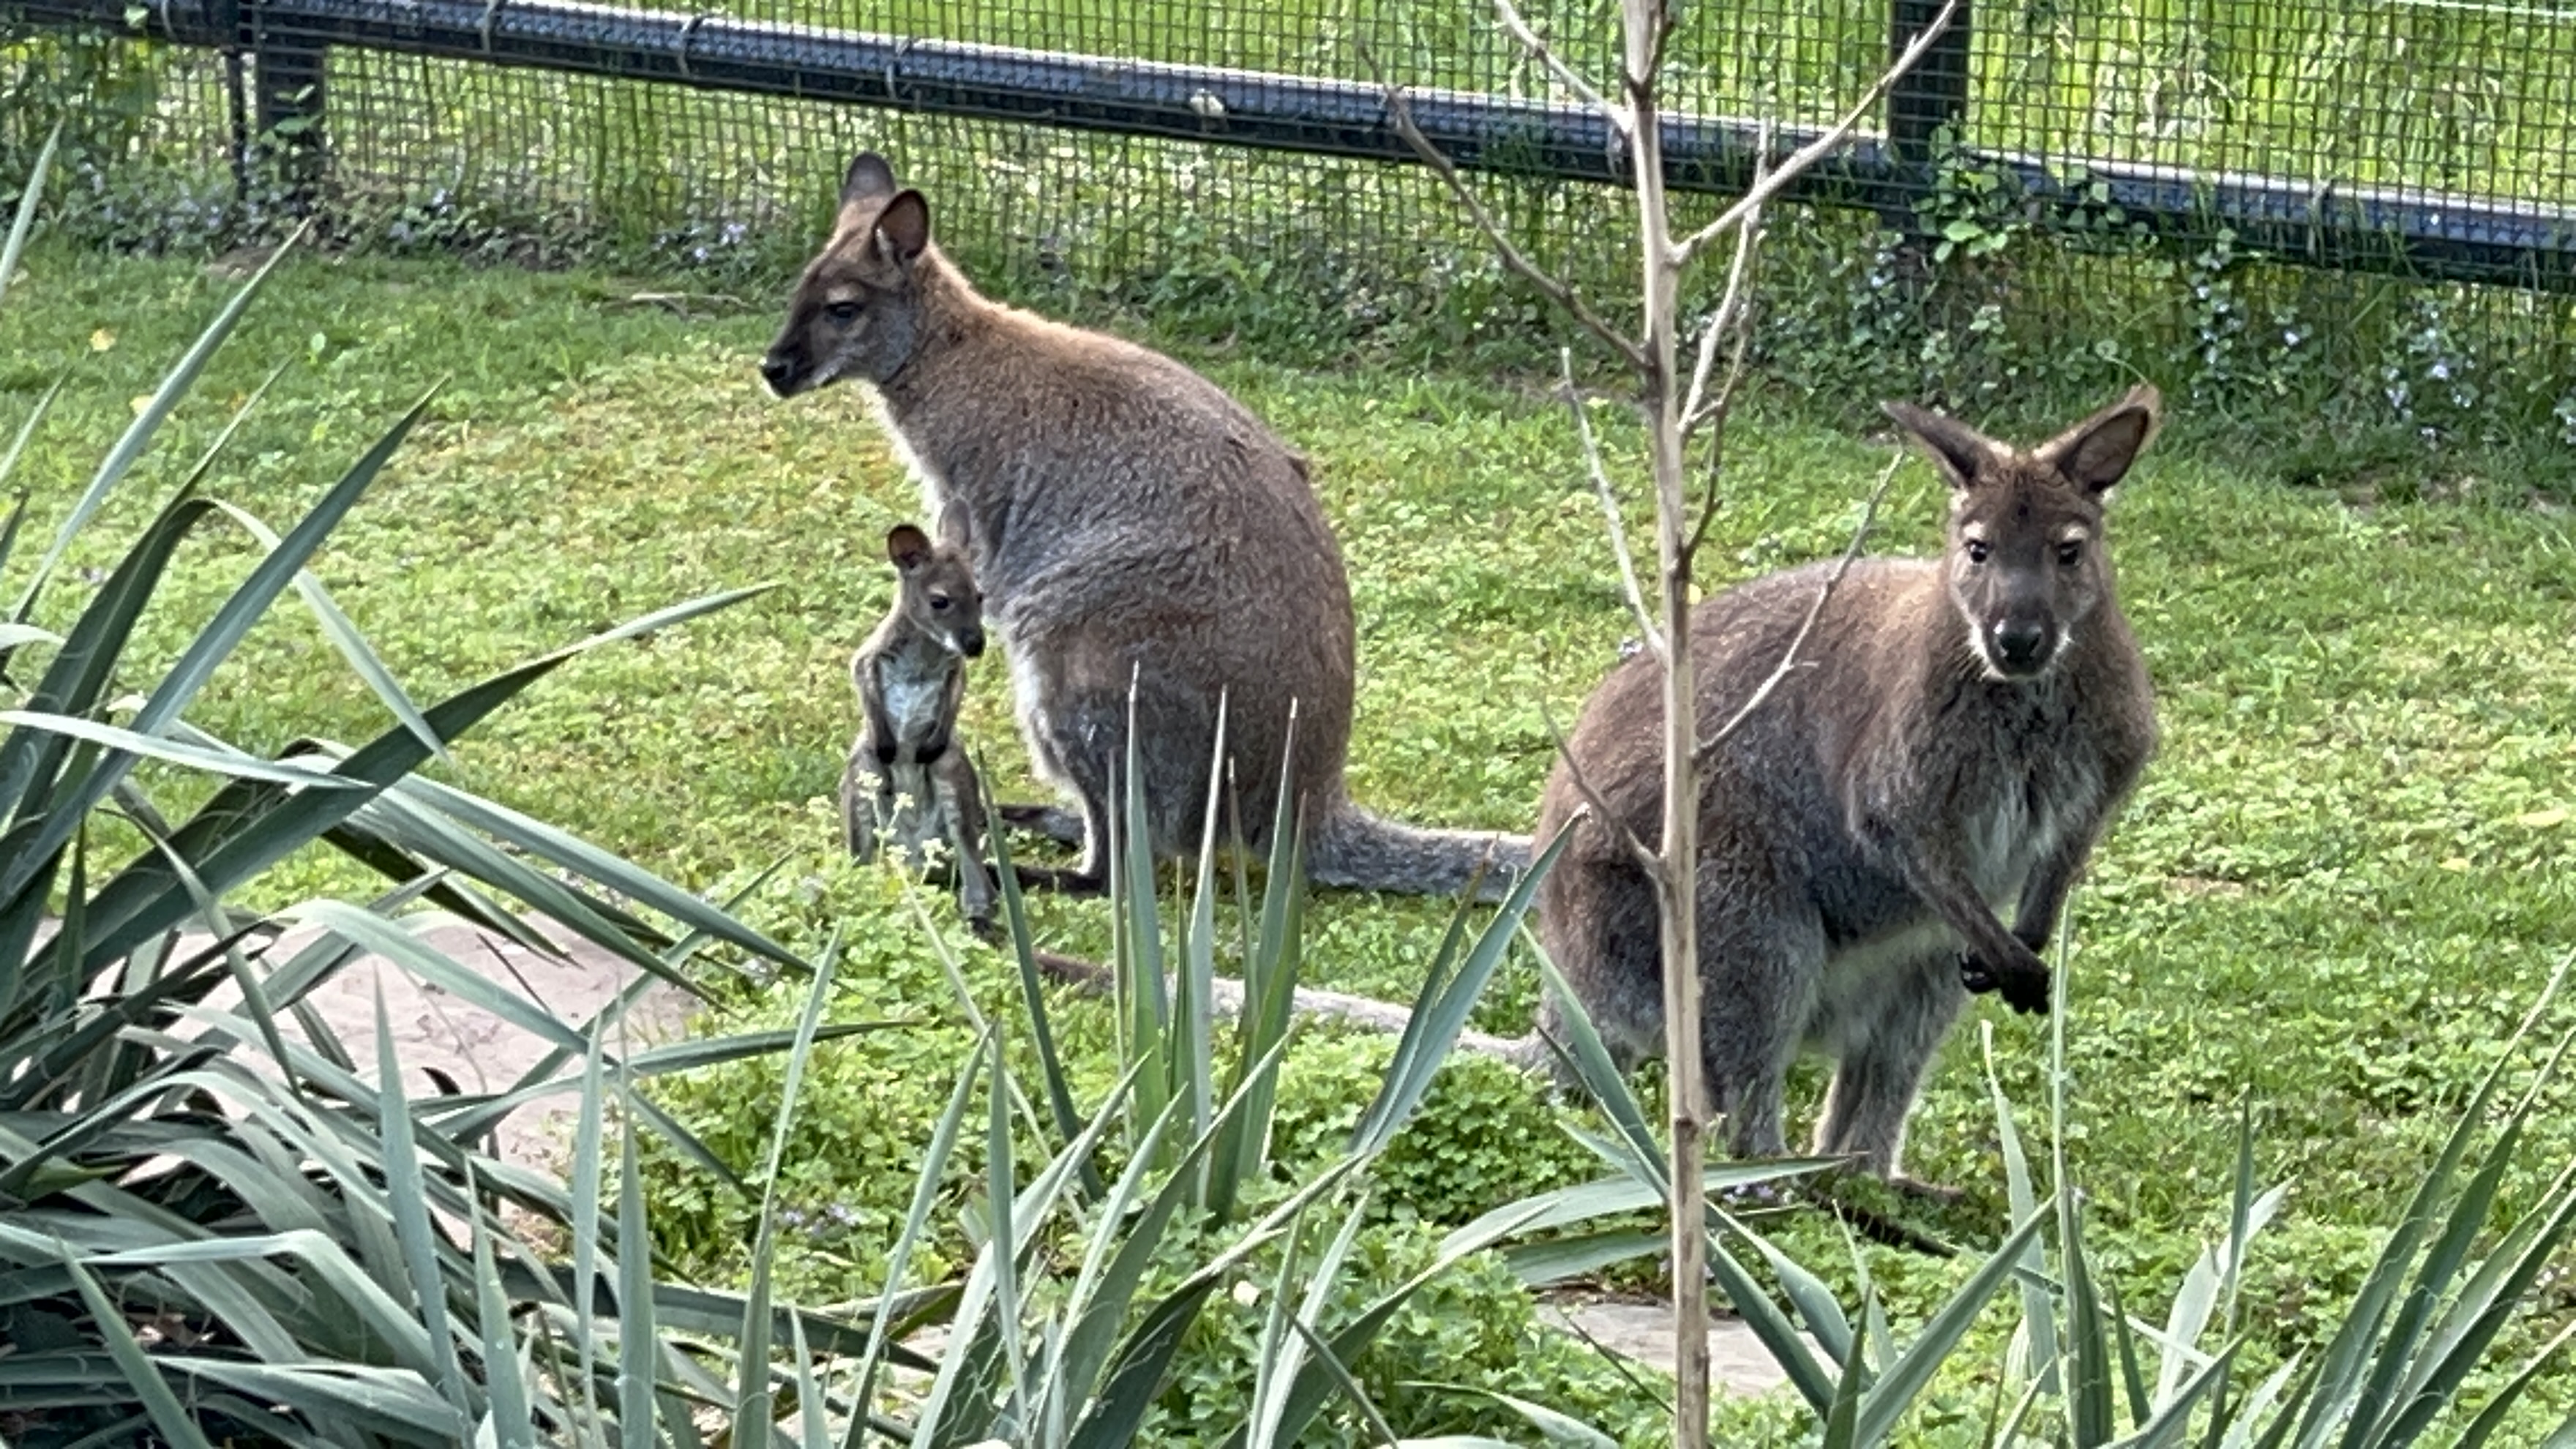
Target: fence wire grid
{"x": 2264, "y": 199}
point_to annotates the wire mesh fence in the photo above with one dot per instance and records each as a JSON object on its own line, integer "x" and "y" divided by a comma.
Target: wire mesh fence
{"x": 2265, "y": 198}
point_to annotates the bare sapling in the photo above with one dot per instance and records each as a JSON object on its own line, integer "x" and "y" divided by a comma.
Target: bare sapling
{"x": 908, "y": 784}
{"x": 1677, "y": 409}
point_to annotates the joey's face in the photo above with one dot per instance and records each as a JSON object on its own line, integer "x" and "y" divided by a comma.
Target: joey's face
{"x": 857, "y": 309}
{"x": 948, "y": 607}
{"x": 936, "y": 590}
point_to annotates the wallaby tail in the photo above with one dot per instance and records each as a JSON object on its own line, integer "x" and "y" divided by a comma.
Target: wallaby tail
{"x": 1359, "y": 851}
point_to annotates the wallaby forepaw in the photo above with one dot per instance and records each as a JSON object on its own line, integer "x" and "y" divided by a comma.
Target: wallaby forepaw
{"x": 2025, "y": 991}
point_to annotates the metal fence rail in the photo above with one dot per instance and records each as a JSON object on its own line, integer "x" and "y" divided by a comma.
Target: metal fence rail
{"x": 2414, "y": 232}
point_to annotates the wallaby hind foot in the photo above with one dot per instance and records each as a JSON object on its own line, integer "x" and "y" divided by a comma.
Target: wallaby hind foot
{"x": 1047, "y": 822}
{"x": 1062, "y": 880}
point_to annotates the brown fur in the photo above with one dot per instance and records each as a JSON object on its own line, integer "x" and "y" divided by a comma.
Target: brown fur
{"x": 1135, "y": 529}
{"x": 1956, "y": 736}
{"x": 906, "y": 778}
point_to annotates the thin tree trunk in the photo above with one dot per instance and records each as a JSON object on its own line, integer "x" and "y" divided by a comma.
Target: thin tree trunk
{"x": 1676, "y": 879}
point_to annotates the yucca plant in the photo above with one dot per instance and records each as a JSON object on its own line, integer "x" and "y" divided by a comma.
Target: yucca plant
{"x": 1054, "y": 1337}
{"x": 2081, "y": 1372}
{"x": 213, "y": 1231}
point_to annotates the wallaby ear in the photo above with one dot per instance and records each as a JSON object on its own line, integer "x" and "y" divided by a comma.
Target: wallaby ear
{"x": 869, "y": 177}
{"x": 2096, "y": 453}
{"x": 908, "y": 546}
{"x": 903, "y": 228}
{"x": 955, "y": 529}
{"x": 1955, "y": 448}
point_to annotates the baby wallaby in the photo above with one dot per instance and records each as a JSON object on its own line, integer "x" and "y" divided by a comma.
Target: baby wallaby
{"x": 1134, "y": 527}
{"x": 906, "y": 778}
{"x": 1955, "y": 736}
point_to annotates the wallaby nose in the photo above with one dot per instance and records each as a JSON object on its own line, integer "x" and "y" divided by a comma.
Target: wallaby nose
{"x": 2021, "y": 644}
{"x": 971, "y": 643}
{"x": 778, "y": 372}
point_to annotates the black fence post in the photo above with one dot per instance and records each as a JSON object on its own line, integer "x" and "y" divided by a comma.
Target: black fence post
{"x": 1928, "y": 98}
{"x": 290, "y": 74}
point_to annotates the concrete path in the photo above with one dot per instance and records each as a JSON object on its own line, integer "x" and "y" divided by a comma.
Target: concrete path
{"x": 1737, "y": 1361}
{"x": 478, "y": 1051}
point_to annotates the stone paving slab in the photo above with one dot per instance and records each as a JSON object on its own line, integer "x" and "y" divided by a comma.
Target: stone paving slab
{"x": 1737, "y": 1361}
{"x": 435, "y": 1029}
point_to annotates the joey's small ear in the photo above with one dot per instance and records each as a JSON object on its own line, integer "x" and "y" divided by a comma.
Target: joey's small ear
{"x": 908, "y": 546}
{"x": 2096, "y": 453}
{"x": 955, "y": 530}
{"x": 903, "y": 228}
{"x": 1955, "y": 448}
{"x": 868, "y": 177}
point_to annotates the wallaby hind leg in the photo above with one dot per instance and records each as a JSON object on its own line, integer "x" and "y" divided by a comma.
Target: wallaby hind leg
{"x": 962, "y": 806}
{"x": 1881, "y": 1071}
{"x": 1761, "y": 960}
{"x": 1598, "y": 924}
{"x": 859, "y": 807}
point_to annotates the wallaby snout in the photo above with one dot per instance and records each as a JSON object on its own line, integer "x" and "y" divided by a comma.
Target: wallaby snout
{"x": 782, "y": 371}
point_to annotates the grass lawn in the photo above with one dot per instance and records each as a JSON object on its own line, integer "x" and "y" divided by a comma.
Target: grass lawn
{"x": 2346, "y": 876}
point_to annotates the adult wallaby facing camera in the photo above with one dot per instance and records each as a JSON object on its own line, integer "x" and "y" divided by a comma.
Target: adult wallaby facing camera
{"x": 1131, "y": 522}
{"x": 1955, "y": 737}
{"x": 906, "y": 780}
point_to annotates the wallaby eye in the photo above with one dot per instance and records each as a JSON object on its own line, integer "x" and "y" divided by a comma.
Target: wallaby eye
{"x": 2070, "y": 553}
{"x": 1977, "y": 550}
{"x": 939, "y": 601}
{"x": 844, "y": 313}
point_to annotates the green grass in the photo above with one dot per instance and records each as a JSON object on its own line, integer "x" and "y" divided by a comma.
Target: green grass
{"x": 2346, "y": 874}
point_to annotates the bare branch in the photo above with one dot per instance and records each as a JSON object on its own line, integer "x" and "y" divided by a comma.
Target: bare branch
{"x": 1722, "y": 405}
{"x": 1824, "y": 592}
{"x": 1800, "y": 160}
{"x": 1731, "y": 303}
{"x": 1628, "y": 580}
{"x": 1648, "y": 860}
{"x": 1733, "y": 317}
{"x": 1619, "y": 116}
{"x": 1518, "y": 262}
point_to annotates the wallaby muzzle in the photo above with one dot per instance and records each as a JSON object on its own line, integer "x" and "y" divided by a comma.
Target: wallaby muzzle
{"x": 970, "y": 642}
{"x": 783, "y": 372}
{"x": 2019, "y": 647}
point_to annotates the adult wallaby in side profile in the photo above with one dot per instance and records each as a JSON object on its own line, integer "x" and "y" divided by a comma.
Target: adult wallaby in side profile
{"x": 1955, "y": 736}
{"x": 1131, "y": 522}
{"x": 906, "y": 779}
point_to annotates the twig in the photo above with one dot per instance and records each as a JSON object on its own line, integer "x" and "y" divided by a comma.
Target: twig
{"x": 1647, "y": 858}
{"x": 1619, "y": 116}
{"x": 1816, "y": 150}
{"x": 1730, "y": 302}
{"x": 1628, "y": 580}
{"x": 1401, "y": 113}
{"x": 1722, "y": 405}
{"x": 1824, "y": 592}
